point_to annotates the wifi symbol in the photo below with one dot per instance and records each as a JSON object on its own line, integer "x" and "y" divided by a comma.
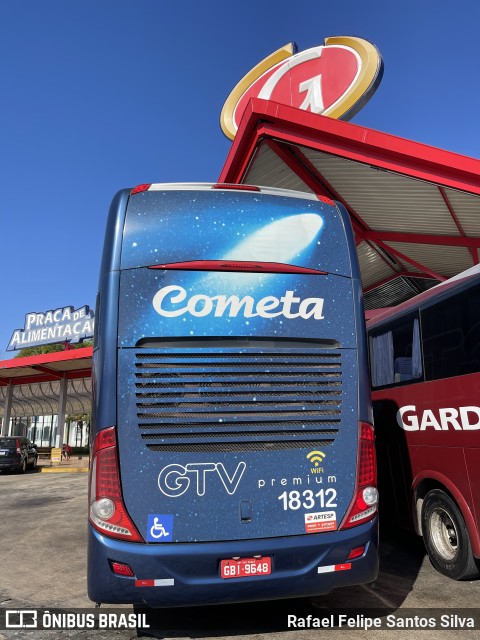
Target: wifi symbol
{"x": 316, "y": 457}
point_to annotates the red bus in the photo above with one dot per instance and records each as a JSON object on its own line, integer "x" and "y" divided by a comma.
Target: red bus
{"x": 425, "y": 376}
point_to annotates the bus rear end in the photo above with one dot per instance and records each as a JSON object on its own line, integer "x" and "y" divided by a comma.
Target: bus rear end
{"x": 233, "y": 455}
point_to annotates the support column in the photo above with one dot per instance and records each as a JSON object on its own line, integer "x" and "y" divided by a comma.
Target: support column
{"x": 34, "y": 438}
{"x": 62, "y": 403}
{"x": 7, "y": 410}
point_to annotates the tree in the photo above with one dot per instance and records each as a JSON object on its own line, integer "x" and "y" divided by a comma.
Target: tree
{"x": 50, "y": 348}
{"x": 79, "y": 419}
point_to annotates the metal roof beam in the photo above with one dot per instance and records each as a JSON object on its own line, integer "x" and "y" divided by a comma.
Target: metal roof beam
{"x": 27, "y": 379}
{"x": 448, "y": 204}
{"x": 398, "y": 274}
{"x": 51, "y": 372}
{"x": 310, "y": 175}
{"x": 422, "y": 238}
{"x": 414, "y": 263}
{"x": 286, "y": 154}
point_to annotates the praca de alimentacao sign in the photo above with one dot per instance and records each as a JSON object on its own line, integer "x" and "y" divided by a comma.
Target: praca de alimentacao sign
{"x": 334, "y": 80}
{"x": 65, "y": 324}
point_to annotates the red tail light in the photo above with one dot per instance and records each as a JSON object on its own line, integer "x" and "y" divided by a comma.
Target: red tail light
{"x": 140, "y": 188}
{"x": 326, "y": 200}
{"x": 364, "y": 505}
{"x": 356, "y": 552}
{"x": 238, "y": 265}
{"x": 122, "y": 569}
{"x": 237, "y": 187}
{"x": 107, "y": 512}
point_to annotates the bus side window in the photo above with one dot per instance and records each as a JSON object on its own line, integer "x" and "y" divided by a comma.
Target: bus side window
{"x": 403, "y": 369}
{"x": 451, "y": 332}
{"x": 395, "y": 353}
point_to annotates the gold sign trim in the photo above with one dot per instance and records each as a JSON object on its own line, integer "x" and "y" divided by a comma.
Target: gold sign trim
{"x": 226, "y": 117}
{"x": 351, "y": 102}
{"x": 369, "y": 69}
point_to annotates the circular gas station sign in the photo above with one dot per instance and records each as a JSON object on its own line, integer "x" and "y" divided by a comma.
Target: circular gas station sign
{"x": 333, "y": 80}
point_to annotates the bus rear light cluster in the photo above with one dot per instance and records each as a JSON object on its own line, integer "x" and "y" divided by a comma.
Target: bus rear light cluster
{"x": 108, "y": 514}
{"x": 364, "y": 506}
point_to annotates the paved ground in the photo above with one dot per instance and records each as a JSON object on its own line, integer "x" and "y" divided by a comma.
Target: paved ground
{"x": 75, "y": 464}
{"x": 42, "y": 564}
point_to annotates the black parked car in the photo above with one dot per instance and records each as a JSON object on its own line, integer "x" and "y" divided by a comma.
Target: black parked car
{"x": 17, "y": 452}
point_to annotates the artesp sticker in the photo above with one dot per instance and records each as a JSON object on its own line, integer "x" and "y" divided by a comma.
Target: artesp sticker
{"x": 320, "y": 521}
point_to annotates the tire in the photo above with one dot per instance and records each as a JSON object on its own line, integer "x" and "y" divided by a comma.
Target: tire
{"x": 445, "y": 536}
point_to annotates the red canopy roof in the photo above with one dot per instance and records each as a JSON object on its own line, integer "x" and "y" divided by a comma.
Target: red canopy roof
{"x": 415, "y": 209}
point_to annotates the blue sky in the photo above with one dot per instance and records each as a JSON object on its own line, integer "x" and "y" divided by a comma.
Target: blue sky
{"x": 98, "y": 95}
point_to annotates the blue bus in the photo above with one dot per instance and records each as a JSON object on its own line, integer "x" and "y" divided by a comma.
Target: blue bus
{"x": 232, "y": 445}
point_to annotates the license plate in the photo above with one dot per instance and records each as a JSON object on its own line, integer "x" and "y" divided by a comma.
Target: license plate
{"x": 245, "y": 567}
{"x": 3, "y": 453}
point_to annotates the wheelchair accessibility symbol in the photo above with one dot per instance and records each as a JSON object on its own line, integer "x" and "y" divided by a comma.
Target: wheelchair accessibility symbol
{"x": 159, "y": 527}
{"x": 158, "y": 530}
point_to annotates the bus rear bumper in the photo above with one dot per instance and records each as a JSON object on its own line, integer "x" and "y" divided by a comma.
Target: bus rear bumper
{"x": 187, "y": 574}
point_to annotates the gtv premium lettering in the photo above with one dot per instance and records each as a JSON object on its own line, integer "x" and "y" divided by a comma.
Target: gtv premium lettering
{"x": 201, "y": 305}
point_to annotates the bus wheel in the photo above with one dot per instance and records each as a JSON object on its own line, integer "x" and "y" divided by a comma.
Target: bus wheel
{"x": 446, "y": 537}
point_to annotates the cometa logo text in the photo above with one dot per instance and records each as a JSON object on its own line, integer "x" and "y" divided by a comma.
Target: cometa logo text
{"x": 172, "y": 302}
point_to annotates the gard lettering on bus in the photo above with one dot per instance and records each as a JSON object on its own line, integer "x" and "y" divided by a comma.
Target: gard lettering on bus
{"x": 201, "y": 305}
{"x": 461, "y": 419}
{"x": 175, "y": 479}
